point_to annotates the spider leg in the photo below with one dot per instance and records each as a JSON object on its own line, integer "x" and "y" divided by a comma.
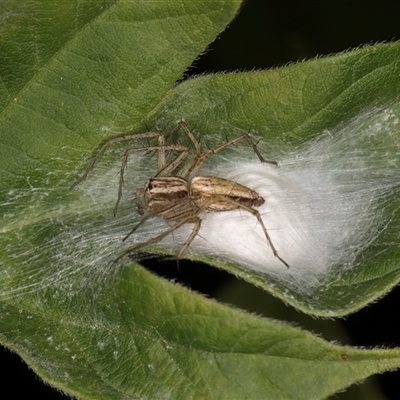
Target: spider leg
{"x": 182, "y": 125}
{"x": 174, "y": 163}
{"x": 192, "y": 169}
{"x": 189, "y": 240}
{"x": 155, "y": 239}
{"x": 258, "y": 216}
{"x": 110, "y": 142}
{"x": 161, "y": 153}
{"x": 142, "y": 221}
{"x": 160, "y": 210}
{"x": 184, "y": 171}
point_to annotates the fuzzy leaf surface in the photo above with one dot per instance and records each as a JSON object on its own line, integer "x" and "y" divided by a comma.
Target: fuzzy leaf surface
{"x": 80, "y": 74}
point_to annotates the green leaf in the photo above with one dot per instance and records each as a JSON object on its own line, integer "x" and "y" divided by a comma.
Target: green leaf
{"x": 140, "y": 336}
{"x": 83, "y": 73}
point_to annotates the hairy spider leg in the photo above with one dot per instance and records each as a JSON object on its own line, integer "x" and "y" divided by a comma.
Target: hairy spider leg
{"x": 112, "y": 141}
{"x": 260, "y": 220}
{"x": 185, "y": 128}
{"x": 205, "y": 204}
{"x": 190, "y": 170}
{"x": 162, "y": 236}
{"x": 134, "y": 229}
{"x": 187, "y": 211}
{"x": 161, "y": 160}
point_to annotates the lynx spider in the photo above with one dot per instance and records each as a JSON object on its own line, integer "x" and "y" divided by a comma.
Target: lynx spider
{"x": 183, "y": 196}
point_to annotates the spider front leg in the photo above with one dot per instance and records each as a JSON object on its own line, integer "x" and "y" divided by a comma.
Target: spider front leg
{"x": 182, "y": 125}
{"x": 191, "y": 169}
{"x": 119, "y": 139}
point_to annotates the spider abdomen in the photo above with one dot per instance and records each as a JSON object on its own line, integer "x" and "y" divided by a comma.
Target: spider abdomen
{"x": 223, "y": 194}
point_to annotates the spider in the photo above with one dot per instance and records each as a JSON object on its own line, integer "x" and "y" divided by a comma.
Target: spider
{"x": 181, "y": 197}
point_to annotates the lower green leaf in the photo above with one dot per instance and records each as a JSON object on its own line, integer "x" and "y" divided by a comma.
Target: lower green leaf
{"x": 140, "y": 336}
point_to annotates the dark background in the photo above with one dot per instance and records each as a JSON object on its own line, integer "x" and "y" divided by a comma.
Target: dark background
{"x": 269, "y": 34}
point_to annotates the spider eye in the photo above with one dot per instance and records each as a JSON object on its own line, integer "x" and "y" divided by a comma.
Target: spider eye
{"x": 149, "y": 185}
